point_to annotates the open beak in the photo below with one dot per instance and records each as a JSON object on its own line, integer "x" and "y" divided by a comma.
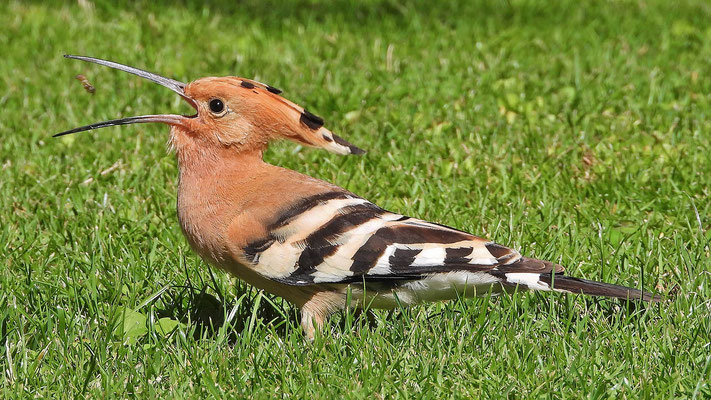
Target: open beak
{"x": 170, "y": 119}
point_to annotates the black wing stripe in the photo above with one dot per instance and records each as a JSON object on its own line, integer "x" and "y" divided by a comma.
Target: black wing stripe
{"x": 403, "y": 258}
{"x": 308, "y": 260}
{"x": 367, "y": 255}
{"x": 457, "y": 255}
{"x": 319, "y": 244}
{"x": 254, "y": 249}
{"x": 304, "y": 205}
{"x": 365, "y": 258}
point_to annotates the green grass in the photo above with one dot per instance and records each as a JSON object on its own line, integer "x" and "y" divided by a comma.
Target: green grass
{"x": 580, "y": 133}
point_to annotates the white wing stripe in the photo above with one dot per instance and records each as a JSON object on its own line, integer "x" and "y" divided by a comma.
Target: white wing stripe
{"x": 528, "y": 279}
{"x": 430, "y": 256}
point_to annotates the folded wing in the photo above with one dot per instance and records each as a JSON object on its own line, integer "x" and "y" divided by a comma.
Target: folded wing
{"x": 337, "y": 237}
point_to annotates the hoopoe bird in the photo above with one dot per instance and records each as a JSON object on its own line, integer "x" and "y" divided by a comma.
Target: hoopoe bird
{"x": 308, "y": 241}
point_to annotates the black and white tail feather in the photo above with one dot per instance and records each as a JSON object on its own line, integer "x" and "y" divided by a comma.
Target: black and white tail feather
{"x": 337, "y": 238}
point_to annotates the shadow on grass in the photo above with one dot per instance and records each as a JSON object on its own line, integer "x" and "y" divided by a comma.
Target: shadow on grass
{"x": 204, "y": 313}
{"x": 205, "y": 310}
{"x": 572, "y": 309}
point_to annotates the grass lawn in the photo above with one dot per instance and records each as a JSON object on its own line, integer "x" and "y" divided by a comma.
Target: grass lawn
{"x": 579, "y": 133}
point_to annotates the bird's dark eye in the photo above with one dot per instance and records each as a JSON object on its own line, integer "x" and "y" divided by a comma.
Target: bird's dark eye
{"x": 216, "y": 106}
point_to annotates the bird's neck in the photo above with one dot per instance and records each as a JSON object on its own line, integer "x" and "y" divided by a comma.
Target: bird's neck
{"x": 214, "y": 187}
{"x": 209, "y": 175}
{"x": 203, "y": 157}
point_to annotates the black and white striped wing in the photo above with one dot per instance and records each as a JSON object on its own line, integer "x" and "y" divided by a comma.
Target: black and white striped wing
{"x": 340, "y": 238}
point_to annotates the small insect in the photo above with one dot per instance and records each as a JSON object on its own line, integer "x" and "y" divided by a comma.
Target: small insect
{"x": 85, "y": 82}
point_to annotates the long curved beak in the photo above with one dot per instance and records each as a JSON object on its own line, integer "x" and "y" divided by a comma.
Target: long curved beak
{"x": 171, "y": 119}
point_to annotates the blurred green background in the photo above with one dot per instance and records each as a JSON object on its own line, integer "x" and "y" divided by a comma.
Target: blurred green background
{"x": 573, "y": 131}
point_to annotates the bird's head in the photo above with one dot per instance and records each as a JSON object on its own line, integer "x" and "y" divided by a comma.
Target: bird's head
{"x": 231, "y": 113}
